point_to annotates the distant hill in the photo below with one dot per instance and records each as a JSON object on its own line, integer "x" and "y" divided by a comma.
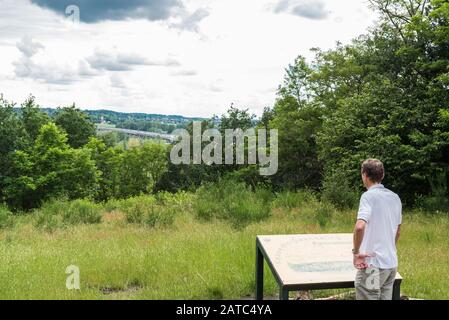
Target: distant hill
{"x": 158, "y": 123}
{"x": 113, "y": 116}
{"x": 141, "y": 121}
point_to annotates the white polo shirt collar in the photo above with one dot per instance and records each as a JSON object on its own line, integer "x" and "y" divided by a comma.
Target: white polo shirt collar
{"x": 376, "y": 186}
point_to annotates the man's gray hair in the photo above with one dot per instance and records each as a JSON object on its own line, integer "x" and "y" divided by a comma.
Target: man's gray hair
{"x": 374, "y": 170}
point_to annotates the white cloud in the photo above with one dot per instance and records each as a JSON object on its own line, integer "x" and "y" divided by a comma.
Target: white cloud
{"x": 191, "y": 21}
{"x": 48, "y": 72}
{"x": 311, "y": 9}
{"x": 237, "y": 53}
{"x": 184, "y": 73}
{"x": 28, "y": 47}
{"x": 217, "y": 85}
{"x": 118, "y": 82}
{"x": 116, "y": 62}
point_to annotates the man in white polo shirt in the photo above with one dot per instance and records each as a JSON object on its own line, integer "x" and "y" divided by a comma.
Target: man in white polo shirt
{"x": 375, "y": 236}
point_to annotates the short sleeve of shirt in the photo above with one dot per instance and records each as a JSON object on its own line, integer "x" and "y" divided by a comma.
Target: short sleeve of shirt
{"x": 364, "y": 209}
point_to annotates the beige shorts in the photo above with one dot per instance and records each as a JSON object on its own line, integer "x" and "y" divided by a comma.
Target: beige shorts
{"x": 375, "y": 284}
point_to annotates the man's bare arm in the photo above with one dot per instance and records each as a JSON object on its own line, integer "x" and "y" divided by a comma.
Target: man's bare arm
{"x": 359, "y": 258}
{"x": 359, "y": 232}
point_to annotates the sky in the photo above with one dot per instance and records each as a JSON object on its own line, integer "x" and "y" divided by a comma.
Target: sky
{"x": 186, "y": 57}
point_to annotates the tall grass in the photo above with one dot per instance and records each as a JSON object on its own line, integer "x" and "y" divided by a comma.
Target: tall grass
{"x": 290, "y": 199}
{"x": 149, "y": 210}
{"x": 336, "y": 191}
{"x": 56, "y": 214}
{"x": 324, "y": 214}
{"x": 195, "y": 260}
{"x": 208, "y": 254}
{"x": 6, "y": 218}
{"x": 232, "y": 201}
{"x": 137, "y": 208}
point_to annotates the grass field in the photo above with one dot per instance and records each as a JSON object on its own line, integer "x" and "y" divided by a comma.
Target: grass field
{"x": 188, "y": 257}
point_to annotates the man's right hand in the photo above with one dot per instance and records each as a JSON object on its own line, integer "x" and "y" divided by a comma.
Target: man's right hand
{"x": 359, "y": 261}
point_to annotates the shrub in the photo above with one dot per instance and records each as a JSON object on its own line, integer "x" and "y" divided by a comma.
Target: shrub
{"x": 149, "y": 210}
{"x": 160, "y": 216}
{"x": 54, "y": 207}
{"x": 82, "y": 212}
{"x": 113, "y": 204}
{"x": 234, "y": 201}
{"x": 205, "y": 209}
{"x": 49, "y": 215}
{"x": 290, "y": 200}
{"x": 59, "y": 213}
{"x": 433, "y": 204}
{"x": 438, "y": 200}
{"x": 180, "y": 199}
{"x": 135, "y": 209}
{"x": 337, "y": 191}
{"x": 47, "y": 222}
{"x": 6, "y": 220}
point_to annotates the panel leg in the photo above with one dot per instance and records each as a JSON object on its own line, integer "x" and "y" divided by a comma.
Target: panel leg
{"x": 283, "y": 293}
{"x": 397, "y": 290}
{"x": 259, "y": 273}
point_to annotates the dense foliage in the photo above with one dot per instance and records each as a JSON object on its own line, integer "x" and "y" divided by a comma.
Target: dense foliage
{"x": 385, "y": 95}
{"x": 45, "y": 158}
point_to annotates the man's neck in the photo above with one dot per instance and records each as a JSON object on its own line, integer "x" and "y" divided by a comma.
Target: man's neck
{"x": 371, "y": 184}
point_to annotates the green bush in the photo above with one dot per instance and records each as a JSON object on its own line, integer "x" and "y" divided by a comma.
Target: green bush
{"x": 179, "y": 199}
{"x": 233, "y": 201}
{"x": 433, "y": 204}
{"x": 82, "y": 212}
{"x": 48, "y": 217}
{"x": 54, "y": 207}
{"x": 48, "y": 222}
{"x": 149, "y": 210}
{"x": 136, "y": 208}
{"x": 59, "y": 213}
{"x": 290, "y": 199}
{"x": 160, "y": 216}
{"x": 339, "y": 192}
{"x": 438, "y": 201}
{"x": 6, "y": 220}
{"x": 113, "y": 205}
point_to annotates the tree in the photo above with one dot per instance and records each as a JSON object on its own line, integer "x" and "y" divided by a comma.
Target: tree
{"x": 190, "y": 176}
{"x": 298, "y": 126}
{"x": 60, "y": 170}
{"x": 267, "y": 116}
{"x": 12, "y": 138}
{"x": 296, "y": 81}
{"x": 49, "y": 169}
{"x": 19, "y": 185}
{"x": 141, "y": 168}
{"x": 107, "y": 160}
{"x": 77, "y": 124}
{"x": 395, "y": 113}
{"x": 33, "y": 118}
{"x": 385, "y": 95}
{"x": 236, "y": 119}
